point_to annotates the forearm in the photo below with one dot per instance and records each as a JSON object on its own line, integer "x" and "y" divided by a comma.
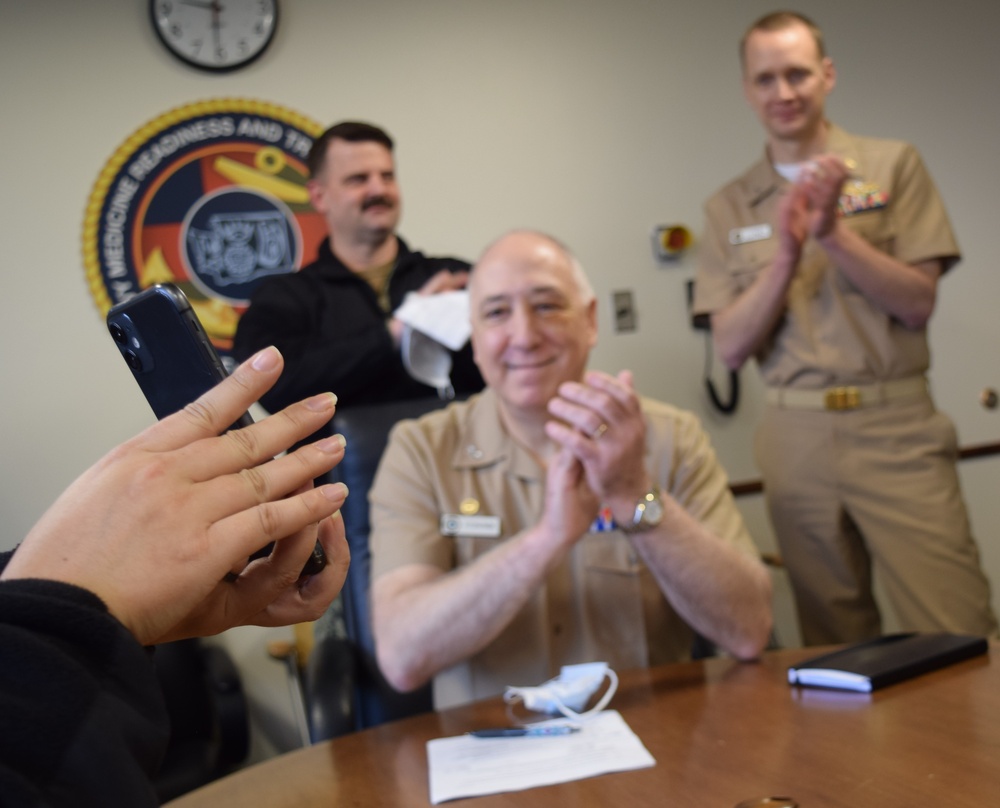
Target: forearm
{"x": 741, "y": 328}
{"x": 903, "y": 291}
{"x": 82, "y": 720}
{"x": 426, "y": 621}
{"x": 721, "y": 592}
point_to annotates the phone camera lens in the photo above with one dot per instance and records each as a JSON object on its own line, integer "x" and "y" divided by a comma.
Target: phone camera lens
{"x": 117, "y": 332}
{"x": 133, "y": 360}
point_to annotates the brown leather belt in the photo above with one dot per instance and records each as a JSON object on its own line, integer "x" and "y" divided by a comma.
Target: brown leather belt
{"x": 846, "y": 398}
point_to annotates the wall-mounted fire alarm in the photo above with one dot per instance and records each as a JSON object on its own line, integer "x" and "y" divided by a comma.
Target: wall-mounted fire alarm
{"x": 670, "y": 241}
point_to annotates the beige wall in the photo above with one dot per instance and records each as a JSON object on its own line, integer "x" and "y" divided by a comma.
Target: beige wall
{"x": 593, "y": 120}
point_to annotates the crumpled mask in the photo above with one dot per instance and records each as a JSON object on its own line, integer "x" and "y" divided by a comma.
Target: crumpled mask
{"x": 569, "y": 692}
{"x": 427, "y": 361}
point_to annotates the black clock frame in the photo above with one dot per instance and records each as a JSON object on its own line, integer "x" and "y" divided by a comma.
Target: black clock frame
{"x": 212, "y": 68}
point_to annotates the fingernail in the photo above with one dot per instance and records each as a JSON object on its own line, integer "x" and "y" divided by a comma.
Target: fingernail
{"x": 332, "y": 444}
{"x": 266, "y": 359}
{"x": 322, "y": 402}
{"x": 335, "y": 491}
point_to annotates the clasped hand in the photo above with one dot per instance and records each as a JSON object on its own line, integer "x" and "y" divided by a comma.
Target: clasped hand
{"x": 810, "y": 206}
{"x": 601, "y": 434}
{"x": 441, "y": 281}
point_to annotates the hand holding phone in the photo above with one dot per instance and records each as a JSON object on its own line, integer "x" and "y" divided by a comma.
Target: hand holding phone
{"x": 174, "y": 362}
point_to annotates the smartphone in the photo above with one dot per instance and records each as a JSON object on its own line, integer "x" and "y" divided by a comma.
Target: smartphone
{"x": 174, "y": 362}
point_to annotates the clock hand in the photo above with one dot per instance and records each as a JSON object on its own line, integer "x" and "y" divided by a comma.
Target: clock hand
{"x": 216, "y": 8}
{"x": 196, "y": 4}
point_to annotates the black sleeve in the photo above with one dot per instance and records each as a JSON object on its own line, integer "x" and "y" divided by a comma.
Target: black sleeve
{"x": 334, "y": 338}
{"x": 339, "y": 350}
{"x": 82, "y": 720}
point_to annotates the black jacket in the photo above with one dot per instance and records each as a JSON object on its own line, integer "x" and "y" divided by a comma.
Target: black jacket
{"x": 327, "y": 323}
{"x": 82, "y": 716}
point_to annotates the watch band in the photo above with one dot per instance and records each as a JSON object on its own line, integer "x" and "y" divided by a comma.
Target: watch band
{"x": 648, "y": 513}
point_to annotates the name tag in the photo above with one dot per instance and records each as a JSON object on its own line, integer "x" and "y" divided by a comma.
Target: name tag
{"x": 479, "y": 527}
{"x": 744, "y": 235}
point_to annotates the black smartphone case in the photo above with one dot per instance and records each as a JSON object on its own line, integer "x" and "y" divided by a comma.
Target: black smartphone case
{"x": 166, "y": 348}
{"x": 173, "y": 360}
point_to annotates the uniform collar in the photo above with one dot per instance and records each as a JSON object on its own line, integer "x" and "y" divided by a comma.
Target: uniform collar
{"x": 485, "y": 442}
{"x": 843, "y": 144}
{"x": 763, "y": 181}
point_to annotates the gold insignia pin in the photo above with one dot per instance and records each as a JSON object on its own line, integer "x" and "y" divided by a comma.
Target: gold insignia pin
{"x": 469, "y": 506}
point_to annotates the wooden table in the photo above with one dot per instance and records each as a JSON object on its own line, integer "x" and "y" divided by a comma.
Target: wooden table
{"x": 721, "y": 732}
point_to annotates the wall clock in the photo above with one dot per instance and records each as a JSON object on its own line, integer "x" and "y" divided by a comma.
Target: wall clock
{"x": 216, "y": 35}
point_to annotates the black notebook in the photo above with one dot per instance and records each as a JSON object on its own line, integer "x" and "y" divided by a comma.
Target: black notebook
{"x": 867, "y": 666}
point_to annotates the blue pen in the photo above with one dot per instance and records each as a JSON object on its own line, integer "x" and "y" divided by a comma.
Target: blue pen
{"x": 522, "y": 732}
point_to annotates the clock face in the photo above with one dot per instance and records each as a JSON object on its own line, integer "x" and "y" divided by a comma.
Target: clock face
{"x": 215, "y": 34}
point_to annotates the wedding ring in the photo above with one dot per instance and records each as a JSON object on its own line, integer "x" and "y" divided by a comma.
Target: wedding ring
{"x": 598, "y": 433}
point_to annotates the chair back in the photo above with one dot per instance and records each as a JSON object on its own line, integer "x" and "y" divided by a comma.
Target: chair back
{"x": 366, "y": 429}
{"x": 209, "y": 717}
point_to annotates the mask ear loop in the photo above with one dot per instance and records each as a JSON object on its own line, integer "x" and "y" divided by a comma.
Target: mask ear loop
{"x": 601, "y": 704}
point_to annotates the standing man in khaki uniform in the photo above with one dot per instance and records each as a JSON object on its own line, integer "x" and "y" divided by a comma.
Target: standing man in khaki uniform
{"x": 822, "y": 262}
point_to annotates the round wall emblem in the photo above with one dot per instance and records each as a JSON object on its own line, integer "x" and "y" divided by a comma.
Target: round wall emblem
{"x": 211, "y": 197}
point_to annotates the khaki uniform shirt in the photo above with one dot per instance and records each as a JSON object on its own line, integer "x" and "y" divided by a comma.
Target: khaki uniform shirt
{"x": 830, "y": 334}
{"x": 602, "y": 603}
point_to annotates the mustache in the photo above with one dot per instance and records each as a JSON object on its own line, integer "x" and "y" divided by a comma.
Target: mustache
{"x": 376, "y": 200}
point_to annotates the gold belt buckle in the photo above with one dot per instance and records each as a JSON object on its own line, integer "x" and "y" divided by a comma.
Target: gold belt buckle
{"x": 842, "y": 398}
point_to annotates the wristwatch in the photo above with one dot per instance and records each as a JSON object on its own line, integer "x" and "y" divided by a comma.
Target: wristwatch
{"x": 648, "y": 512}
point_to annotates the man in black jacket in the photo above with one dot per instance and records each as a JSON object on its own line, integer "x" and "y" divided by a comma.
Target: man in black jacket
{"x": 333, "y": 320}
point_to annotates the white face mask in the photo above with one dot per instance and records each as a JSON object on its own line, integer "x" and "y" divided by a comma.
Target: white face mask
{"x": 427, "y": 361}
{"x": 568, "y": 693}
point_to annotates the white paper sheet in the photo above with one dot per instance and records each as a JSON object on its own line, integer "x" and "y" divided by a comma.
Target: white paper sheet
{"x": 465, "y": 766}
{"x": 443, "y": 317}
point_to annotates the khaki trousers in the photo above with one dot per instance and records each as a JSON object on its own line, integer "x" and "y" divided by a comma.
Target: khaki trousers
{"x": 872, "y": 490}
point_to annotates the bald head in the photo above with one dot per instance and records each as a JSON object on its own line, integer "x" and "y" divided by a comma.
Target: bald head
{"x": 534, "y": 247}
{"x": 533, "y": 317}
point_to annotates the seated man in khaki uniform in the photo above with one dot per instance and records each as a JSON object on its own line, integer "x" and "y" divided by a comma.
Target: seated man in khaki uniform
{"x": 557, "y": 517}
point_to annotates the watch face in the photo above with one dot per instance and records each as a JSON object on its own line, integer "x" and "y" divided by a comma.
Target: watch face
{"x": 653, "y": 514}
{"x": 215, "y": 34}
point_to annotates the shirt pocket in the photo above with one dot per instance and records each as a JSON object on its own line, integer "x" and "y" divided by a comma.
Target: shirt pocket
{"x": 874, "y": 226}
{"x": 610, "y": 553}
{"x": 747, "y": 261}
